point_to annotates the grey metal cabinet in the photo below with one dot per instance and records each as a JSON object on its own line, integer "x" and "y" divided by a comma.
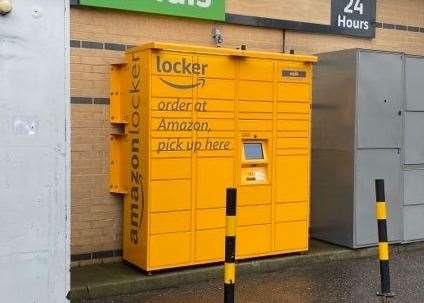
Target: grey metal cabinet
{"x": 379, "y": 100}
{"x": 368, "y": 123}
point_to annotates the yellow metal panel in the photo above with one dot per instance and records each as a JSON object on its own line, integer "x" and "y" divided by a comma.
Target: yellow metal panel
{"x": 190, "y": 113}
{"x": 292, "y": 143}
{"x": 255, "y": 107}
{"x": 288, "y": 212}
{"x": 118, "y": 180}
{"x": 293, "y": 116}
{"x": 216, "y": 134}
{"x": 252, "y": 240}
{"x": 218, "y": 89}
{"x": 254, "y": 215}
{"x": 294, "y": 92}
{"x": 210, "y": 218}
{"x": 296, "y": 125}
{"x": 136, "y": 216}
{"x": 295, "y": 72}
{"x": 214, "y": 175}
{"x": 256, "y": 116}
{"x": 161, "y": 86}
{"x": 221, "y": 67}
{"x": 171, "y": 169}
{"x": 169, "y": 249}
{"x": 255, "y": 90}
{"x": 292, "y": 175}
{"x": 253, "y": 69}
{"x": 170, "y": 195}
{"x": 292, "y": 236}
{"x": 287, "y": 107}
{"x": 258, "y": 125}
{"x": 162, "y": 223}
{"x": 293, "y": 134}
{"x": 292, "y": 152}
{"x": 119, "y": 87}
{"x": 210, "y": 245}
{"x": 254, "y": 195}
{"x": 217, "y": 106}
{"x": 218, "y": 124}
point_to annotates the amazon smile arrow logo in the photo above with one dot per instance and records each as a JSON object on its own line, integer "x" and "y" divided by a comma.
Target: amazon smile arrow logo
{"x": 201, "y": 82}
{"x": 183, "y": 67}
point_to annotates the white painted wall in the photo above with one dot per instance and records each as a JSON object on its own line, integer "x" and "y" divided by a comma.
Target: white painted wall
{"x": 34, "y": 152}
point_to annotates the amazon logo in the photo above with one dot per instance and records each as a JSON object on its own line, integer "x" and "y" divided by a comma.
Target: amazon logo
{"x": 182, "y": 67}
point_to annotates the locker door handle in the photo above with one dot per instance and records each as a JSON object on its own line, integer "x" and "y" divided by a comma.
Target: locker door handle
{"x": 400, "y": 113}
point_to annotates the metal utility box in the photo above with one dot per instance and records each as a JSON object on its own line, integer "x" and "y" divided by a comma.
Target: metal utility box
{"x": 367, "y": 125}
{"x": 195, "y": 121}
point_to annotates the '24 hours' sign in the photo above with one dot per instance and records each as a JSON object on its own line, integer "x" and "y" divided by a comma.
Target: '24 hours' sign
{"x": 354, "y": 17}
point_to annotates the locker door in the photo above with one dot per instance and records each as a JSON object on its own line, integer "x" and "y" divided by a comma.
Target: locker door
{"x": 414, "y": 138}
{"x": 371, "y": 165}
{"x": 413, "y": 210}
{"x": 414, "y": 75}
{"x": 379, "y": 100}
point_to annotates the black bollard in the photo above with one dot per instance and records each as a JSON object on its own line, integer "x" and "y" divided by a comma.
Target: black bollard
{"x": 230, "y": 246}
{"x": 383, "y": 241}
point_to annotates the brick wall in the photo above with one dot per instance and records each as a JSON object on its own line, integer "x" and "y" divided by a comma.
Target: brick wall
{"x": 314, "y": 11}
{"x": 96, "y": 214}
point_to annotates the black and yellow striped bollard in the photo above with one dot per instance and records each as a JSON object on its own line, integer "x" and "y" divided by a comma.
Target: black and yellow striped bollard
{"x": 383, "y": 240}
{"x": 230, "y": 246}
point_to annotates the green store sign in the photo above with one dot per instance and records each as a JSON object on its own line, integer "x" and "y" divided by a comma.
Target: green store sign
{"x": 202, "y": 9}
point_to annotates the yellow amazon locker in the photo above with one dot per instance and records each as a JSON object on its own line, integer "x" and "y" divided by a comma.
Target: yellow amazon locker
{"x": 192, "y": 121}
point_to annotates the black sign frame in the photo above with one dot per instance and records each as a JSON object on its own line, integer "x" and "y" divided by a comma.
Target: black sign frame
{"x": 354, "y": 17}
{"x": 369, "y": 7}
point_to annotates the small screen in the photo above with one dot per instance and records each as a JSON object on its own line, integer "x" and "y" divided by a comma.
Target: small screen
{"x": 253, "y": 151}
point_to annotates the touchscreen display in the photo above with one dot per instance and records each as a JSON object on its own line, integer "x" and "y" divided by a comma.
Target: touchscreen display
{"x": 253, "y": 151}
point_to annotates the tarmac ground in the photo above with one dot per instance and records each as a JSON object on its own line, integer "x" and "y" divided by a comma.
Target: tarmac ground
{"x": 326, "y": 274}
